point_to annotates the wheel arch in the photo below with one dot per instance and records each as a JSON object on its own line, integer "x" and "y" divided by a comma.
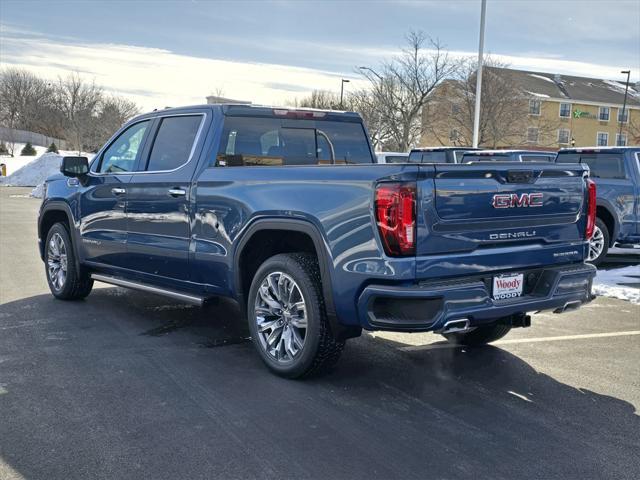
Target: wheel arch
{"x": 607, "y": 214}
{"x": 302, "y": 229}
{"x": 52, "y": 213}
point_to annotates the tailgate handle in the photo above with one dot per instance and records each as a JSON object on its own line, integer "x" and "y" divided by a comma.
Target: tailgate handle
{"x": 519, "y": 176}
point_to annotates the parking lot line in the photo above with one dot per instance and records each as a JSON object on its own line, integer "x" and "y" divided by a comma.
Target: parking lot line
{"x": 528, "y": 340}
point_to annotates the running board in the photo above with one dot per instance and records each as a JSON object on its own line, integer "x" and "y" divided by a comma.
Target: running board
{"x": 184, "y": 297}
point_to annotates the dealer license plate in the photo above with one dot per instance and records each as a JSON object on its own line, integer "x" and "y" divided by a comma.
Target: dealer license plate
{"x": 507, "y": 286}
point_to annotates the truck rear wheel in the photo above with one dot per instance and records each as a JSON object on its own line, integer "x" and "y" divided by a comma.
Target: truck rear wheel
{"x": 65, "y": 281}
{"x": 479, "y": 336}
{"x": 599, "y": 243}
{"x": 287, "y": 317}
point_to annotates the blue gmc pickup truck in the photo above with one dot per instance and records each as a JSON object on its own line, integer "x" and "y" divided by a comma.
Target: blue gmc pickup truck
{"x": 616, "y": 173}
{"x": 287, "y": 212}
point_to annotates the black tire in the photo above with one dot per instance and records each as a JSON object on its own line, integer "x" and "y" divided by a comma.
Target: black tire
{"x": 76, "y": 284}
{"x": 320, "y": 350}
{"x": 479, "y": 336}
{"x": 606, "y": 238}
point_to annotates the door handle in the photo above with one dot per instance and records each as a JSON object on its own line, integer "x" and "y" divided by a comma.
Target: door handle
{"x": 118, "y": 190}
{"x": 177, "y": 192}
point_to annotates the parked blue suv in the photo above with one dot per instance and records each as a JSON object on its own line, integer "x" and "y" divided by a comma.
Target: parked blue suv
{"x": 616, "y": 172}
{"x": 287, "y": 212}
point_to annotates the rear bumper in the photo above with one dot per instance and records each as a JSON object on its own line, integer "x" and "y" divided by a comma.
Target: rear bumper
{"x": 428, "y": 306}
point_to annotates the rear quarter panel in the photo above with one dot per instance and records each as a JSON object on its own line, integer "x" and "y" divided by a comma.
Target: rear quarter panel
{"x": 336, "y": 200}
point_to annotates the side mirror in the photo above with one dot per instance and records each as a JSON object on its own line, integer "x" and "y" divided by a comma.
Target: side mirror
{"x": 74, "y": 166}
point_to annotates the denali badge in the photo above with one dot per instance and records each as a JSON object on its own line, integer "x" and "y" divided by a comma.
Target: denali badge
{"x": 512, "y": 235}
{"x": 511, "y": 200}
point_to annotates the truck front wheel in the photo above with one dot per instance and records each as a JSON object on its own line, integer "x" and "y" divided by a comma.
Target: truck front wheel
{"x": 479, "y": 335}
{"x": 65, "y": 281}
{"x": 287, "y": 317}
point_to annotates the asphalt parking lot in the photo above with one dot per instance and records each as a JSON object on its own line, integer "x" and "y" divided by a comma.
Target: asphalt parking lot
{"x": 130, "y": 385}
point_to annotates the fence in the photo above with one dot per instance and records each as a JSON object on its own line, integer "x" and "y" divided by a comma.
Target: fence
{"x": 10, "y": 135}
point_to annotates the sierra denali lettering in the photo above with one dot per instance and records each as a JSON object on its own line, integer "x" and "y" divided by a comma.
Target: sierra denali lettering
{"x": 511, "y": 235}
{"x": 313, "y": 255}
{"x": 511, "y": 200}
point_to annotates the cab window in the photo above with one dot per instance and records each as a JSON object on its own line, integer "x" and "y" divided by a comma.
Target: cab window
{"x": 173, "y": 142}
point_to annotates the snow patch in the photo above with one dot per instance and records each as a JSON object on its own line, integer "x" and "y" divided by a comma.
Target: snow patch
{"x": 611, "y": 283}
{"x": 14, "y": 163}
{"x": 543, "y": 95}
{"x": 618, "y": 87}
{"x": 541, "y": 77}
{"x": 35, "y": 172}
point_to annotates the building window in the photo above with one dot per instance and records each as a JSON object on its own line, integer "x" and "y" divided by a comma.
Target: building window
{"x": 563, "y": 135}
{"x": 603, "y": 114}
{"x": 621, "y": 140}
{"x": 453, "y": 135}
{"x": 534, "y": 107}
{"x": 565, "y": 110}
{"x": 622, "y": 119}
{"x": 602, "y": 140}
{"x": 532, "y": 135}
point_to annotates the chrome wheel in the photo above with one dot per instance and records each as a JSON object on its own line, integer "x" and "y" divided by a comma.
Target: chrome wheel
{"x": 57, "y": 261}
{"x": 281, "y": 317}
{"x": 596, "y": 244}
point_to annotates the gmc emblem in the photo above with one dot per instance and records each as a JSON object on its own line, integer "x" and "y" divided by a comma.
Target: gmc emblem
{"x": 511, "y": 200}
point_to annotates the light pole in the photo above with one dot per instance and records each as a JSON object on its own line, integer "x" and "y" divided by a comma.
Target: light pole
{"x": 342, "y": 91}
{"x": 372, "y": 71}
{"x": 624, "y": 104}
{"x": 476, "y": 112}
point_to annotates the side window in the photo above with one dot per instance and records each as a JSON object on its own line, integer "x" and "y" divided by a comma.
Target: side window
{"x": 173, "y": 143}
{"x": 122, "y": 154}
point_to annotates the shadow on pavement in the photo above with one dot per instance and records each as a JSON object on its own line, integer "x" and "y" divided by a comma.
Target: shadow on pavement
{"x": 119, "y": 386}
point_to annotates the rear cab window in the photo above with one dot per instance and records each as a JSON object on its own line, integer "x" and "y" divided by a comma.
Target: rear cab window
{"x": 537, "y": 158}
{"x": 486, "y": 158}
{"x": 436, "y": 156}
{"x": 601, "y": 165}
{"x": 260, "y": 141}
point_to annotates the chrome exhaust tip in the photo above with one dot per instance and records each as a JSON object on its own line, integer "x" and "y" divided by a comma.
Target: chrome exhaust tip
{"x": 456, "y": 326}
{"x": 573, "y": 305}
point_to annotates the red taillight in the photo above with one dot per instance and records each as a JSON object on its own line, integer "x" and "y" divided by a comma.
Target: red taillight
{"x": 591, "y": 208}
{"x": 396, "y": 218}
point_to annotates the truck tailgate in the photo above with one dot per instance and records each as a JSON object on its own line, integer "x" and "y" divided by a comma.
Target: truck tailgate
{"x": 497, "y": 208}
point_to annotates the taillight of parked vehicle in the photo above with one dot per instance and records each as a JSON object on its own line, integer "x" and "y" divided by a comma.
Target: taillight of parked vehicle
{"x": 591, "y": 208}
{"x": 396, "y": 217}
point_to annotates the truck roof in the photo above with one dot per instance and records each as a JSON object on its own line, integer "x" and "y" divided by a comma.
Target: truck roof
{"x": 599, "y": 149}
{"x": 243, "y": 109}
{"x": 508, "y": 152}
{"x": 441, "y": 149}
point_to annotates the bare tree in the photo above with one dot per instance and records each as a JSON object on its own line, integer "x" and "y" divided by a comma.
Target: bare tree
{"x": 18, "y": 91}
{"x": 112, "y": 112}
{"x": 79, "y": 102}
{"x": 403, "y": 87}
{"x": 503, "y": 112}
{"x": 633, "y": 131}
{"x": 322, "y": 99}
{"x": 70, "y": 108}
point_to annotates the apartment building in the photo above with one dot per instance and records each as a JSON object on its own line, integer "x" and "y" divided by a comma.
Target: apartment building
{"x": 554, "y": 111}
